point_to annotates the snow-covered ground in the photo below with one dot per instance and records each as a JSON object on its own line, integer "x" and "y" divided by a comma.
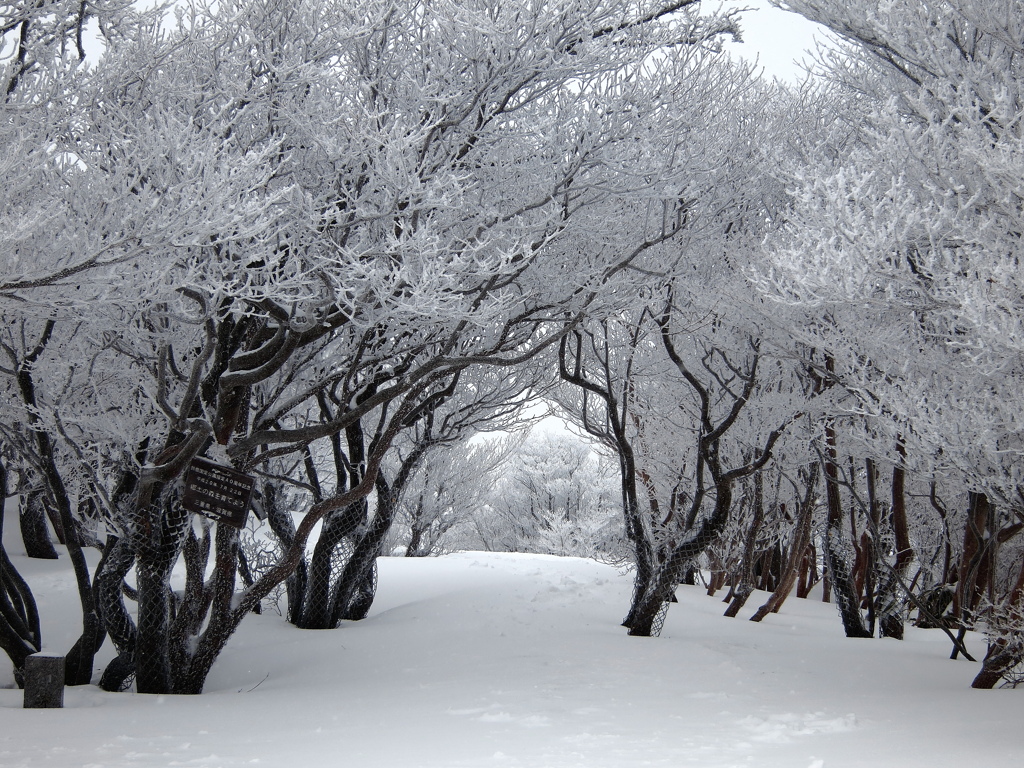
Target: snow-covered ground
{"x": 518, "y": 660}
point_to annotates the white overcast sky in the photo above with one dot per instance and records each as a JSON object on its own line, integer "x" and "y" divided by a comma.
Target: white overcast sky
{"x": 778, "y": 40}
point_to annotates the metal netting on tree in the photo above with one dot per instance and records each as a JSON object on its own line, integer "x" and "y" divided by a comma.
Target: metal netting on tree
{"x": 159, "y": 535}
{"x": 673, "y": 564}
{"x": 111, "y": 591}
{"x": 341, "y": 556}
{"x": 330, "y": 557}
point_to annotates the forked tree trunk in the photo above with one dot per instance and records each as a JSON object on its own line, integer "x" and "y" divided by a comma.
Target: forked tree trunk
{"x": 283, "y": 526}
{"x": 189, "y": 612}
{"x": 649, "y": 612}
{"x": 321, "y": 586}
{"x": 357, "y": 583}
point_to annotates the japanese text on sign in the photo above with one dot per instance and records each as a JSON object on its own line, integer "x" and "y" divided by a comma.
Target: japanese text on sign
{"x": 218, "y": 492}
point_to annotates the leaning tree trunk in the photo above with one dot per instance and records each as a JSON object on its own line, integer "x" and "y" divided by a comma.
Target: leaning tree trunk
{"x": 794, "y": 565}
{"x": 745, "y": 585}
{"x": 649, "y": 614}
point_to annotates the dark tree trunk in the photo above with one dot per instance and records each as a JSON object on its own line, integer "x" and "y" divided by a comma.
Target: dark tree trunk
{"x": 643, "y": 551}
{"x": 117, "y": 561}
{"x": 19, "y": 618}
{"x": 78, "y": 663}
{"x": 1002, "y": 656}
{"x": 846, "y": 598}
{"x": 189, "y": 675}
{"x": 745, "y": 585}
{"x": 974, "y": 561}
{"x": 283, "y": 526}
{"x": 35, "y": 532}
{"x": 158, "y": 540}
{"x": 153, "y": 673}
{"x": 890, "y": 603}
{"x": 358, "y": 583}
{"x": 872, "y": 543}
{"x": 808, "y": 573}
{"x": 1007, "y": 650}
{"x": 836, "y": 559}
{"x": 650, "y": 612}
{"x": 318, "y": 602}
{"x": 717, "y": 581}
{"x": 188, "y": 615}
{"x": 795, "y": 565}
{"x": 416, "y": 536}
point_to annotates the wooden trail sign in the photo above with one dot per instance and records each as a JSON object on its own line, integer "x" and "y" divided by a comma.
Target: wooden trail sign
{"x": 218, "y": 492}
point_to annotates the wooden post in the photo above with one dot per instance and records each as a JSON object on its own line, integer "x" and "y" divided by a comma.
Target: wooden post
{"x": 44, "y": 681}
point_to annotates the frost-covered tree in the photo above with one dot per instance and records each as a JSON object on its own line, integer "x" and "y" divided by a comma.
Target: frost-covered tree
{"x": 445, "y": 506}
{"x": 909, "y": 252}
{"x": 663, "y": 385}
{"x": 57, "y": 248}
{"x": 555, "y": 495}
{"x": 688, "y": 415}
{"x": 342, "y": 198}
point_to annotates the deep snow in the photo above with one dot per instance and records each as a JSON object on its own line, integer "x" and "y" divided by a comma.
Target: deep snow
{"x": 501, "y": 660}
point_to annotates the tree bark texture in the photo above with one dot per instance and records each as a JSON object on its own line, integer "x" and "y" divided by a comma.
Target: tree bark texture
{"x": 35, "y": 533}
{"x": 836, "y": 555}
{"x": 745, "y": 583}
{"x": 889, "y": 602}
{"x": 1006, "y": 650}
{"x": 795, "y": 565}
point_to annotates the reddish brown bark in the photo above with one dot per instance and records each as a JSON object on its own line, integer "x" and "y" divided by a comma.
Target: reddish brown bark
{"x": 796, "y": 564}
{"x": 1007, "y": 650}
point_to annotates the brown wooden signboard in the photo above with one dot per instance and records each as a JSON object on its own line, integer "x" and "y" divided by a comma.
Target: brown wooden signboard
{"x": 218, "y": 492}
